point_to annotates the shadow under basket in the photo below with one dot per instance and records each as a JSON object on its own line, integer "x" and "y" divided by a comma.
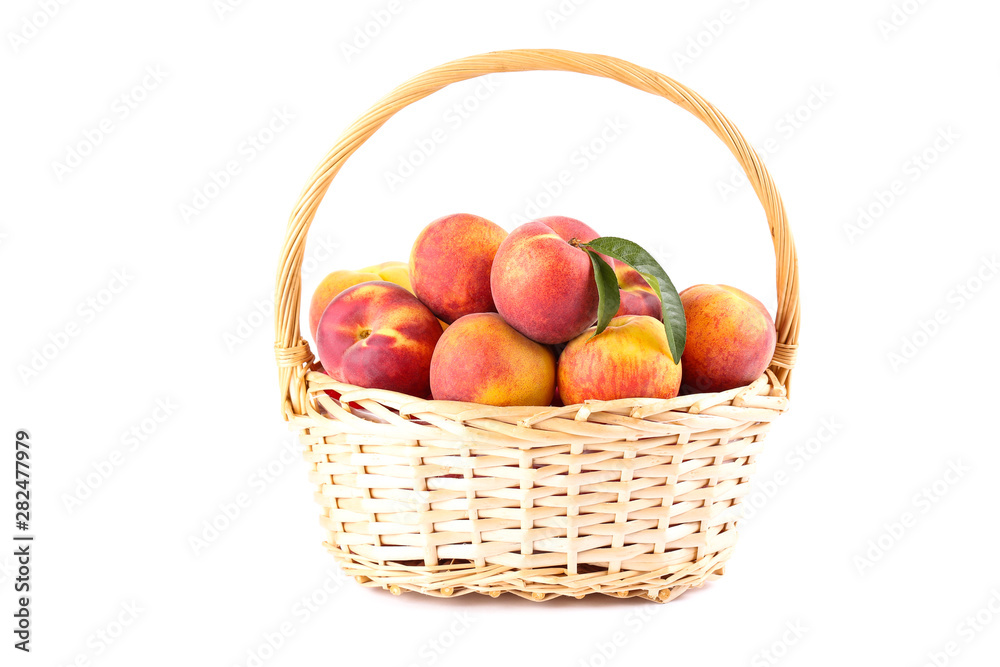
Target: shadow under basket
{"x": 629, "y": 498}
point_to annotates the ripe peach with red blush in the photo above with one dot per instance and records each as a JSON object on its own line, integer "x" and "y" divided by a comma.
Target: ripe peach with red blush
{"x": 337, "y": 281}
{"x": 378, "y": 335}
{"x": 730, "y": 338}
{"x": 543, "y": 284}
{"x": 482, "y": 359}
{"x": 450, "y": 265}
{"x": 629, "y": 359}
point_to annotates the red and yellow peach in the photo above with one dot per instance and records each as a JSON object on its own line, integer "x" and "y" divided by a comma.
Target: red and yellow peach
{"x": 730, "y": 338}
{"x": 336, "y": 282}
{"x": 482, "y": 359}
{"x": 450, "y": 265}
{"x": 543, "y": 284}
{"x": 378, "y": 335}
{"x": 629, "y": 359}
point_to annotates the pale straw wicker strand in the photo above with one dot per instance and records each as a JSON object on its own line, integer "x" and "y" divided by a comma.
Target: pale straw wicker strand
{"x": 636, "y": 497}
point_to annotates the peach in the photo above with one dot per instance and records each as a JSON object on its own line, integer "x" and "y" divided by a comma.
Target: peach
{"x": 482, "y": 359}
{"x": 338, "y": 281}
{"x": 393, "y": 272}
{"x": 378, "y": 335}
{"x": 637, "y": 297}
{"x": 570, "y": 229}
{"x": 450, "y": 265}
{"x": 730, "y": 338}
{"x": 629, "y": 359}
{"x": 543, "y": 285}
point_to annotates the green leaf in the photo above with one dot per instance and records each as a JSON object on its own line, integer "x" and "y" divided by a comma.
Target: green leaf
{"x": 607, "y": 289}
{"x": 673, "y": 312}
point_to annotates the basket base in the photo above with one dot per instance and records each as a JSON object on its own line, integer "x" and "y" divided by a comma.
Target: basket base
{"x": 537, "y": 585}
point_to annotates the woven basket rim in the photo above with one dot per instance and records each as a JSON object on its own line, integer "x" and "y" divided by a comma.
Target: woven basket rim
{"x": 529, "y": 415}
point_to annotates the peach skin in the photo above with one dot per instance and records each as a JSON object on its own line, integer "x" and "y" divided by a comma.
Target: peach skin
{"x": 450, "y": 265}
{"x": 543, "y": 285}
{"x": 629, "y": 359}
{"x": 482, "y": 359}
{"x": 378, "y": 335}
{"x": 338, "y": 281}
{"x": 393, "y": 272}
{"x": 730, "y": 338}
{"x": 571, "y": 229}
{"x": 637, "y": 297}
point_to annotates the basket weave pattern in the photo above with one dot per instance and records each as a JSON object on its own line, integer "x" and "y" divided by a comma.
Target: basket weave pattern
{"x": 635, "y": 497}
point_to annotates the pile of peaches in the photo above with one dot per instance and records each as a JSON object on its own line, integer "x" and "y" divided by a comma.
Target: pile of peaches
{"x": 550, "y": 314}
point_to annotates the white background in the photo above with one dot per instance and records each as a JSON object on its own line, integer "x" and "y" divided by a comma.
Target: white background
{"x": 859, "y": 536}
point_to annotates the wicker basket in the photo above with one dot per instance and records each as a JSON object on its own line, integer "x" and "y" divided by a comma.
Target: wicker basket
{"x": 636, "y": 497}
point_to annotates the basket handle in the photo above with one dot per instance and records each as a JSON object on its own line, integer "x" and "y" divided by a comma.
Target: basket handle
{"x": 291, "y": 349}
